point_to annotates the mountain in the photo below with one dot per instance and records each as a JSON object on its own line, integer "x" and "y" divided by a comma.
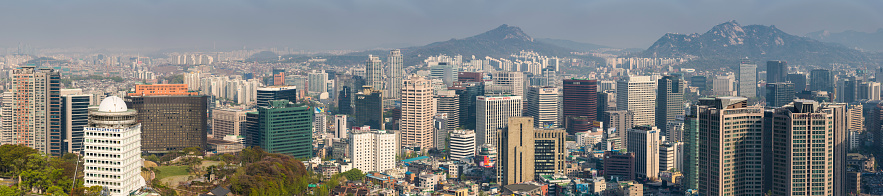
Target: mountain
{"x": 863, "y": 40}
{"x": 732, "y": 41}
{"x": 499, "y": 42}
{"x": 578, "y": 46}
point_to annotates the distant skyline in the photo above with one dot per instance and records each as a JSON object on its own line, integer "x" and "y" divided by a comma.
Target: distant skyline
{"x": 359, "y": 25}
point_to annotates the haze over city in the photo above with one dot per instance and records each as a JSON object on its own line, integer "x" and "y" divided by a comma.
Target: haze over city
{"x": 357, "y": 25}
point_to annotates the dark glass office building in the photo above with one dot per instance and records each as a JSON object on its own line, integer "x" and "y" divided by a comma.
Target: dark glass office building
{"x": 779, "y": 94}
{"x": 776, "y": 71}
{"x": 265, "y": 95}
{"x": 345, "y": 101}
{"x": 281, "y": 127}
{"x": 171, "y": 122}
{"x": 467, "y": 92}
{"x": 580, "y": 104}
{"x": 369, "y": 108}
{"x": 74, "y": 117}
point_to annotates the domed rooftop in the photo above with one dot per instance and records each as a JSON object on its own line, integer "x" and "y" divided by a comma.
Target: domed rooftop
{"x": 112, "y": 104}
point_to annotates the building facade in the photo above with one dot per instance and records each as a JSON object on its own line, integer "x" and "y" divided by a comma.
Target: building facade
{"x": 579, "y": 100}
{"x": 418, "y": 110}
{"x": 543, "y": 105}
{"x": 171, "y": 122}
{"x": 372, "y": 150}
{"x": 462, "y": 144}
{"x": 669, "y": 101}
{"x": 747, "y": 79}
{"x": 228, "y": 122}
{"x": 493, "y": 112}
{"x": 637, "y": 94}
{"x": 369, "y": 108}
{"x": 112, "y": 148}
{"x": 282, "y": 127}
{"x": 730, "y": 160}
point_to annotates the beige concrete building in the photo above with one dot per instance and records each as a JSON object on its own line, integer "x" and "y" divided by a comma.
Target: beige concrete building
{"x": 516, "y": 162}
{"x": 418, "y": 110}
{"x": 729, "y": 151}
{"x": 854, "y": 119}
{"x": 228, "y": 122}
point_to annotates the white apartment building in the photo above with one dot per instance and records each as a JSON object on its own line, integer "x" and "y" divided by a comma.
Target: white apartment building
{"x": 112, "y": 148}
{"x": 372, "y": 150}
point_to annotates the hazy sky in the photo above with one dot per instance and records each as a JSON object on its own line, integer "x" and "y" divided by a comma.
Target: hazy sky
{"x": 360, "y": 24}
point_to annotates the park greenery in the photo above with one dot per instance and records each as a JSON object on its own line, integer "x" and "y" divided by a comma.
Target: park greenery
{"x": 38, "y": 173}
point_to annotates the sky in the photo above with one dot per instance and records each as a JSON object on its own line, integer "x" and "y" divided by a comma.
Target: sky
{"x": 364, "y": 24}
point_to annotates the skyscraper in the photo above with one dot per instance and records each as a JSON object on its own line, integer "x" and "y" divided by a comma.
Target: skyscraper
{"x": 669, "y": 101}
{"x": 776, "y": 71}
{"x": 374, "y": 73}
{"x": 847, "y": 90}
{"x": 579, "y": 101}
{"x": 112, "y": 148}
{"x": 729, "y": 158}
{"x": 549, "y": 151}
{"x": 779, "y": 94}
{"x": 170, "y": 122}
{"x": 75, "y": 116}
{"x": 516, "y": 162}
{"x": 747, "y": 79}
{"x": 265, "y": 95}
{"x": 821, "y": 80}
{"x": 644, "y": 142}
{"x": 802, "y": 148}
{"x": 345, "y": 101}
{"x": 637, "y": 94}
{"x": 691, "y": 149}
{"x": 318, "y": 82}
{"x": 543, "y": 106}
{"x": 282, "y": 127}
{"x": 618, "y": 123}
{"x": 395, "y": 74}
{"x": 36, "y": 121}
{"x": 418, "y": 109}
{"x": 467, "y": 93}
{"x": 493, "y": 112}
{"x": 340, "y": 126}
{"x": 448, "y": 102}
{"x": 799, "y": 81}
{"x": 6, "y": 131}
{"x": 369, "y": 108}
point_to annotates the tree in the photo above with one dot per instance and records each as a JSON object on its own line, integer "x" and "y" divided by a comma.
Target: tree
{"x": 354, "y": 174}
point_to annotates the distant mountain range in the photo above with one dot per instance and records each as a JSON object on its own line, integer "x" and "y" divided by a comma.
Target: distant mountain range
{"x": 760, "y": 43}
{"x": 499, "y": 42}
{"x": 865, "y": 41}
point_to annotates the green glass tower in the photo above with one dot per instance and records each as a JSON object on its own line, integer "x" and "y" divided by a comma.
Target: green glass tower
{"x": 282, "y": 127}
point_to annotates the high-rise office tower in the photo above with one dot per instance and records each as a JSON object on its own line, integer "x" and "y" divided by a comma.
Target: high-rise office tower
{"x": 265, "y": 95}
{"x": 369, "y": 108}
{"x": 799, "y": 81}
{"x": 372, "y": 150}
{"x": 779, "y": 94}
{"x": 729, "y": 158}
{"x": 802, "y": 148}
{"x": 776, "y": 71}
{"x": 510, "y": 80}
{"x": 644, "y": 142}
{"x": 847, "y": 90}
{"x": 282, "y": 127}
{"x": 821, "y": 80}
{"x": 440, "y": 130}
{"x": 462, "y": 144}
{"x": 516, "y": 162}
{"x": 345, "y": 101}
{"x": 374, "y": 73}
{"x": 172, "y": 120}
{"x": 868, "y": 90}
{"x": 418, "y": 109}
{"x": 579, "y": 101}
{"x": 543, "y": 106}
{"x": 637, "y": 94}
{"x": 395, "y": 74}
{"x": 340, "y": 126}
{"x": 618, "y": 123}
{"x": 549, "y": 151}
{"x": 722, "y": 85}
{"x": 669, "y": 101}
{"x": 228, "y": 122}
{"x": 112, "y": 148}
{"x": 75, "y": 116}
{"x": 493, "y": 112}
{"x": 606, "y": 102}
{"x": 36, "y": 118}
{"x": 467, "y": 92}
{"x": 448, "y": 102}
{"x": 747, "y": 79}
{"x": 691, "y": 149}
{"x": 6, "y": 118}
{"x": 855, "y": 121}
{"x": 318, "y": 82}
